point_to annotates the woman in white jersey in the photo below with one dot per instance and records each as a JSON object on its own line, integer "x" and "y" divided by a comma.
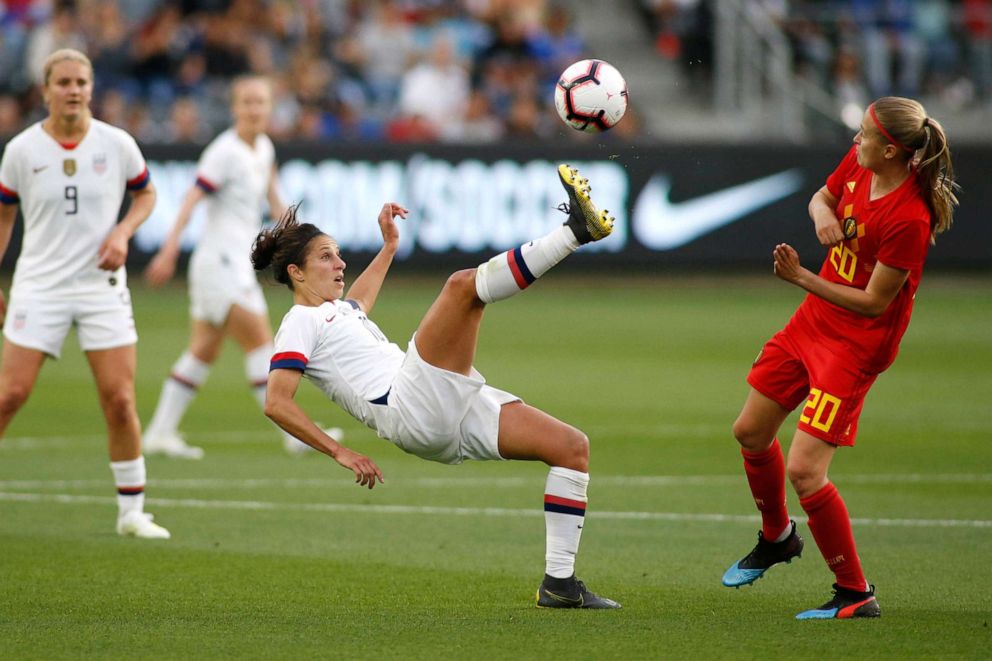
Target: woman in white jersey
{"x": 430, "y": 401}
{"x": 68, "y": 174}
{"x": 236, "y": 176}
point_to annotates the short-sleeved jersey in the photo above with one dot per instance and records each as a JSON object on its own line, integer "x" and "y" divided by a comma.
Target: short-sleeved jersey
{"x": 70, "y": 198}
{"x": 342, "y": 351}
{"x": 236, "y": 177}
{"x": 893, "y": 230}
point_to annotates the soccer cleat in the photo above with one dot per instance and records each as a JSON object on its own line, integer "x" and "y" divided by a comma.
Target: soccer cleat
{"x": 846, "y": 604}
{"x": 140, "y": 524}
{"x": 586, "y": 221}
{"x": 569, "y": 593}
{"x": 170, "y": 445}
{"x": 762, "y": 558}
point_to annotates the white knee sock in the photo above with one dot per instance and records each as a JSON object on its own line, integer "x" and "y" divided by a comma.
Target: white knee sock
{"x": 129, "y": 476}
{"x": 257, "y": 371}
{"x": 187, "y": 375}
{"x": 510, "y": 272}
{"x": 564, "y": 516}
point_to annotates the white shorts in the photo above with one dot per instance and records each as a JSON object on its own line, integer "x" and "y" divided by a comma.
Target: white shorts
{"x": 218, "y": 281}
{"x": 440, "y": 415}
{"x": 103, "y": 320}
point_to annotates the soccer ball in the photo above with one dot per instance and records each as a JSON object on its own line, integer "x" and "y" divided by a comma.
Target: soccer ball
{"x": 591, "y": 95}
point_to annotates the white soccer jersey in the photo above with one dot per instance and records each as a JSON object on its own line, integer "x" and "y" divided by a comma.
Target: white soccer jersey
{"x": 236, "y": 177}
{"x": 70, "y": 198}
{"x": 342, "y": 351}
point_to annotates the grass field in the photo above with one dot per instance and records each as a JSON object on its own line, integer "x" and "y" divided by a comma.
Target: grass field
{"x": 275, "y": 557}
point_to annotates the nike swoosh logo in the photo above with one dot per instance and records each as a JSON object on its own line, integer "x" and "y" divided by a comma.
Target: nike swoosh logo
{"x": 37, "y": 170}
{"x": 331, "y": 318}
{"x": 565, "y": 600}
{"x": 661, "y": 225}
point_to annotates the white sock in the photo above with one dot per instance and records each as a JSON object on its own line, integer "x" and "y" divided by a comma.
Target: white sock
{"x": 510, "y": 272}
{"x": 257, "y": 371}
{"x": 564, "y": 516}
{"x": 187, "y": 375}
{"x": 129, "y": 476}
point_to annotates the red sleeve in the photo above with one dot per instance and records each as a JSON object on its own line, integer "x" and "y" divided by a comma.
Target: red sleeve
{"x": 844, "y": 172}
{"x": 904, "y": 244}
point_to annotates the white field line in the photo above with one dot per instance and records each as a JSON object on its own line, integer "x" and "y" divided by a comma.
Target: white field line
{"x": 494, "y": 482}
{"x": 70, "y": 499}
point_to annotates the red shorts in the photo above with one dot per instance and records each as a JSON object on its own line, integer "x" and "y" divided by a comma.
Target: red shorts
{"x": 793, "y": 368}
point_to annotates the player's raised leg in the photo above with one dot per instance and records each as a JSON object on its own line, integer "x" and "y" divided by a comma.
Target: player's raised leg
{"x": 448, "y": 334}
{"x": 530, "y": 434}
{"x": 508, "y": 273}
{"x": 764, "y": 464}
{"x": 113, "y": 370}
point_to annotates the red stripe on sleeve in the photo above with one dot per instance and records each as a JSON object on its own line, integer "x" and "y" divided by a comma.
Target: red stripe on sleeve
{"x": 515, "y": 270}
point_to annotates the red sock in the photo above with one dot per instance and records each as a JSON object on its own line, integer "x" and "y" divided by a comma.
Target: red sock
{"x": 766, "y": 477}
{"x": 831, "y": 527}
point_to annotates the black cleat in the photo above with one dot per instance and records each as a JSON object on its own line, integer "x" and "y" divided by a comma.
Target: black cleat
{"x": 762, "y": 557}
{"x": 569, "y": 593}
{"x": 846, "y": 604}
{"x": 586, "y": 221}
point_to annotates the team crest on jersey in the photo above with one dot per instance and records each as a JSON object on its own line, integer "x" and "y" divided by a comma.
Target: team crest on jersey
{"x": 69, "y": 166}
{"x": 100, "y": 163}
{"x": 850, "y": 185}
{"x": 850, "y": 227}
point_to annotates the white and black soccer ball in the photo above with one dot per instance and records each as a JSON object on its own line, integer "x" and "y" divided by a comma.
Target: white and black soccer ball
{"x": 591, "y": 95}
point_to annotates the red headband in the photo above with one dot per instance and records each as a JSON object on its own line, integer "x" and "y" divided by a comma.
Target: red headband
{"x": 888, "y": 136}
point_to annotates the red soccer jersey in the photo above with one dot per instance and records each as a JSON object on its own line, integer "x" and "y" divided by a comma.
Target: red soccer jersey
{"x": 893, "y": 230}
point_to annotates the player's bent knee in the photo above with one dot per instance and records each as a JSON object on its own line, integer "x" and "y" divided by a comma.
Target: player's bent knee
{"x": 575, "y": 451}
{"x": 752, "y": 437}
{"x": 805, "y": 479}
{"x": 462, "y": 283}
{"x": 12, "y": 398}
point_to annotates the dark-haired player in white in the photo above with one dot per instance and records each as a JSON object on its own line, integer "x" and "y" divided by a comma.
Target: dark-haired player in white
{"x": 430, "y": 401}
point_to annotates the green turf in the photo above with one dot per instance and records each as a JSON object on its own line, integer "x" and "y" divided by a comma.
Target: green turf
{"x": 275, "y": 557}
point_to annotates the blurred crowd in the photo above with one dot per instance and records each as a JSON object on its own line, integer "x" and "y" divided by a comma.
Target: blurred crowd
{"x": 857, "y": 49}
{"x": 389, "y": 70}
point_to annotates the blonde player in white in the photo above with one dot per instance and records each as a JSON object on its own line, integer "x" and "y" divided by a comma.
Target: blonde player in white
{"x": 68, "y": 174}
{"x": 430, "y": 401}
{"x": 236, "y": 177}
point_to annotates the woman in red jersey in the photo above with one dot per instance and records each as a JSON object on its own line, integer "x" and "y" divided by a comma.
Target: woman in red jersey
{"x": 879, "y": 212}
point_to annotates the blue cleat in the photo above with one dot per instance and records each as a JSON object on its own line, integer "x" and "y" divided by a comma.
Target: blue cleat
{"x": 763, "y": 557}
{"x": 846, "y": 604}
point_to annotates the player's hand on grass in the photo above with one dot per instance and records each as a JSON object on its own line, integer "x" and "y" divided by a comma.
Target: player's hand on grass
{"x": 391, "y": 233}
{"x": 162, "y": 267}
{"x": 364, "y": 468}
{"x": 787, "y": 264}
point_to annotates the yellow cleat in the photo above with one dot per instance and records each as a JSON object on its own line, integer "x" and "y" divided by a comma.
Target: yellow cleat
{"x": 586, "y": 221}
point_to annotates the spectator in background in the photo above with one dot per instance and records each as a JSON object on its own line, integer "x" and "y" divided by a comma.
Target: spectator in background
{"x": 10, "y": 116}
{"x": 387, "y": 48}
{"x": 478, "y": 125}
{"x": 978, "y": 24}
{"x": 62, "y": 31}
{"x": 437, "y": 89}
{"x": 889, "y": 44}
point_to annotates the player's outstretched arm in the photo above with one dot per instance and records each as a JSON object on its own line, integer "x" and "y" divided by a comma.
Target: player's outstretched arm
{"x": 366, "y": 287}
{"x": 883, "y": 286}
{"x": 163, "y": 266}
{"x": 281, "y": 408}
